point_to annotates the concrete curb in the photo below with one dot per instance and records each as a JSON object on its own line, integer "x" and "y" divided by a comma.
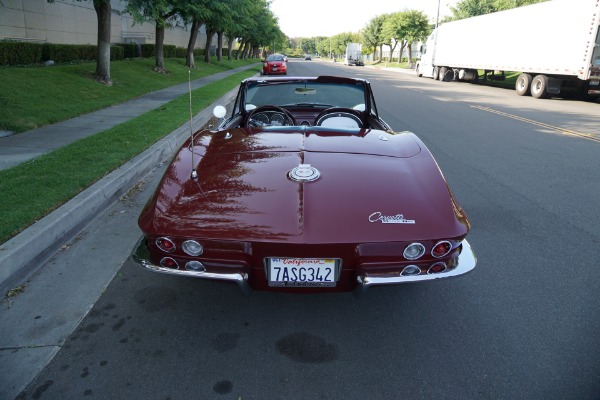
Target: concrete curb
{"x": 22, "y": 255}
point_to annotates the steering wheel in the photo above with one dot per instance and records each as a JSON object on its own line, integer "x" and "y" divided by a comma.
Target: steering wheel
{"x": 340, "y": 117}
{"x": 288, "y": 117}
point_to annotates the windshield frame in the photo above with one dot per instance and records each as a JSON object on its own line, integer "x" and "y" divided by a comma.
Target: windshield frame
{"x": 304, "y": 93}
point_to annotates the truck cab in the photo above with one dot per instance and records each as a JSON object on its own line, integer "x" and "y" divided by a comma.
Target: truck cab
{"x": 424, "y": 66}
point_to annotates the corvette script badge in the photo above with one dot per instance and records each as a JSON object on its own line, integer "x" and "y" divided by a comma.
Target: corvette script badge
{"x": 390, "y": 219}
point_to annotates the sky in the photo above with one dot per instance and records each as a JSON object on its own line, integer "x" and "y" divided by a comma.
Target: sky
{"x": 309, "y": 18}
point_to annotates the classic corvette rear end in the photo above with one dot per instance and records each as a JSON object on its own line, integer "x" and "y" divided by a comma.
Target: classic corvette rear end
{"x": 304, "y": 209}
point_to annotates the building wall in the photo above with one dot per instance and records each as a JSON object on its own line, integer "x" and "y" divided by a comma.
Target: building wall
{"x": 75, "y": 22}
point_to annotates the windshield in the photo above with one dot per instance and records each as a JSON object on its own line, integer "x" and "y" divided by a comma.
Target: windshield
{"x": 305, "y": 94}
{"x": 275, "y": 57}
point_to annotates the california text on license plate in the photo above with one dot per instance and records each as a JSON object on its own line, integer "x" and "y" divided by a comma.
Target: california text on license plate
{"x": 302, "y": 272}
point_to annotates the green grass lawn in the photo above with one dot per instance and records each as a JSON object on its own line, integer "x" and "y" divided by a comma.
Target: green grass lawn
{"x": 37, "y": 96}
{"x": 509, "y": 82}
{"x": 33, "y": 189}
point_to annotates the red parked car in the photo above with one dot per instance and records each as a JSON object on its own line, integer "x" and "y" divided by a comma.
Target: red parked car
{"x": 305, "y": 189}
{"x": 275, "y": 64}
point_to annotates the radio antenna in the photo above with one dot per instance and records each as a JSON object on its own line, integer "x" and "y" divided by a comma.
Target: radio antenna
{"x": 194, "y": 173}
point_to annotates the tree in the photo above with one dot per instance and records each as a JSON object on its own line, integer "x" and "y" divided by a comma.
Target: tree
{"x": 323, "y": 45}
{"x": 371, "y": 34}
{"x": 341, "y": 40}
{"x": 416, "y": 28}
{"x": 306, "y": 45}
{"x": 103, "y": 12}
{"x": 393, "y": 32}
{"x": 472, "y": 8}
{"x": 239, "y": 23}
{"x": 508, "y": 4}
{"x": 195, "y": 13}
{"x": 266, "y": 31}
{"x": 163, "y": 13}
{"x": 258, "y": 28}
{"x": 214, "y": 24}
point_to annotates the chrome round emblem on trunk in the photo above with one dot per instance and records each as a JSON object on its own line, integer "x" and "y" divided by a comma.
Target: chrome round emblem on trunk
{"x": 304, "y": 173}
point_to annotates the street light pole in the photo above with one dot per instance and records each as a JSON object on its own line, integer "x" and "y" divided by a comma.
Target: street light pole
{"x": 437, "y": 20}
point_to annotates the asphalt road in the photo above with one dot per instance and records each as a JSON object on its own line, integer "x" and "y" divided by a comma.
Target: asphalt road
{"x": 523, "y": 325}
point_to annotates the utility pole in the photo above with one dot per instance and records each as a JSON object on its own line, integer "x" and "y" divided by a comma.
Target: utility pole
{"x": 437, "y": 21}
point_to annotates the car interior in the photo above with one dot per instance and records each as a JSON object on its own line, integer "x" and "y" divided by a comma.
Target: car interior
{"x": 345, "y": 105}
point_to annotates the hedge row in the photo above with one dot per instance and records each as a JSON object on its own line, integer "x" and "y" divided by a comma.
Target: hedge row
{"x": 24, "y": 53}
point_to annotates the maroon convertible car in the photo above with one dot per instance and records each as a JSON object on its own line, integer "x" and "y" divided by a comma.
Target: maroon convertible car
{"x": 304, "y": 189}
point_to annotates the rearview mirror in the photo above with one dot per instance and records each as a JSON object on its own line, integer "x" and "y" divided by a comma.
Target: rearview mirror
{"x": 305, "y": 91}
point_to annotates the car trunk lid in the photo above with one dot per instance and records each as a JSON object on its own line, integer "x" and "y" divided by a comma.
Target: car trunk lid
{"x": 244, "y": 192}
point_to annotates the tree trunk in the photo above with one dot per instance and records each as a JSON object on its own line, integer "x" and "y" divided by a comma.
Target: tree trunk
{"x": 246, "y": 49}
{"x": 219, "y": 46}
{"x": 103, "y": 11}
{"x": 159, "y": 50}
{"x": 409, "y": 51}
{"x": 209, "y": 37}
{"x": 230, "y": 47}
{"x": 189, "y": 56}
{"x": 401, "y": 50}
{"x": 392, "y": 52}
{"x": 380, "y": 52}
{"x": 238, "y": 52}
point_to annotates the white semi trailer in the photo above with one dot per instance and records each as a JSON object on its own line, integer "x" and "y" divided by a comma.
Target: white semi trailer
{"x": 554, "y": 44}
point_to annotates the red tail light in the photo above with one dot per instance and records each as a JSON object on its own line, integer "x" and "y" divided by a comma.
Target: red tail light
{"x": 437, "y": 268}
{"x": 169, "y": 262}
{"x": 165, "y": 244}
{"x": 441, "y": 249}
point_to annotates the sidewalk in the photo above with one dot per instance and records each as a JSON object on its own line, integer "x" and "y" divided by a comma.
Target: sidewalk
{"x": 23, "y": 254}
{"x": 25, "y": 146}
{"x": 393, "y": 69}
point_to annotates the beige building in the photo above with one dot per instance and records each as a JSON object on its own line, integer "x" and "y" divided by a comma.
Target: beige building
{"x": 75, "y": 22}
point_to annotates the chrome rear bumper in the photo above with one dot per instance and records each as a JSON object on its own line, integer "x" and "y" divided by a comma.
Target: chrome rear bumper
{"x": 466, "y": 262}
{"x": 142, "y": 256}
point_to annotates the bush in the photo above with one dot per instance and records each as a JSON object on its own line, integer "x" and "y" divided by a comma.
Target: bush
{"x": 181, "y": 52}
{"x": 170, "y": 50}
{"x": 149, "y": 50}
{"x": 25, "y": 53}
{"x": 20, "y": 53}
{"x": 62, "y": 53}
{"x": 117, "y": 53}
{"x": 131, "y": 50}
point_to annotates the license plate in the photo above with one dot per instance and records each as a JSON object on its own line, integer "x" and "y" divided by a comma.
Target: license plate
{"x": 594, "y": 83}
{"x": 302, "y": 272}
{"x": 274, "y": 68}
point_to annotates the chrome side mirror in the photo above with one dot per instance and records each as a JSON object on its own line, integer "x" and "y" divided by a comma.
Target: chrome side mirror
{"x": 219, "y": 112}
